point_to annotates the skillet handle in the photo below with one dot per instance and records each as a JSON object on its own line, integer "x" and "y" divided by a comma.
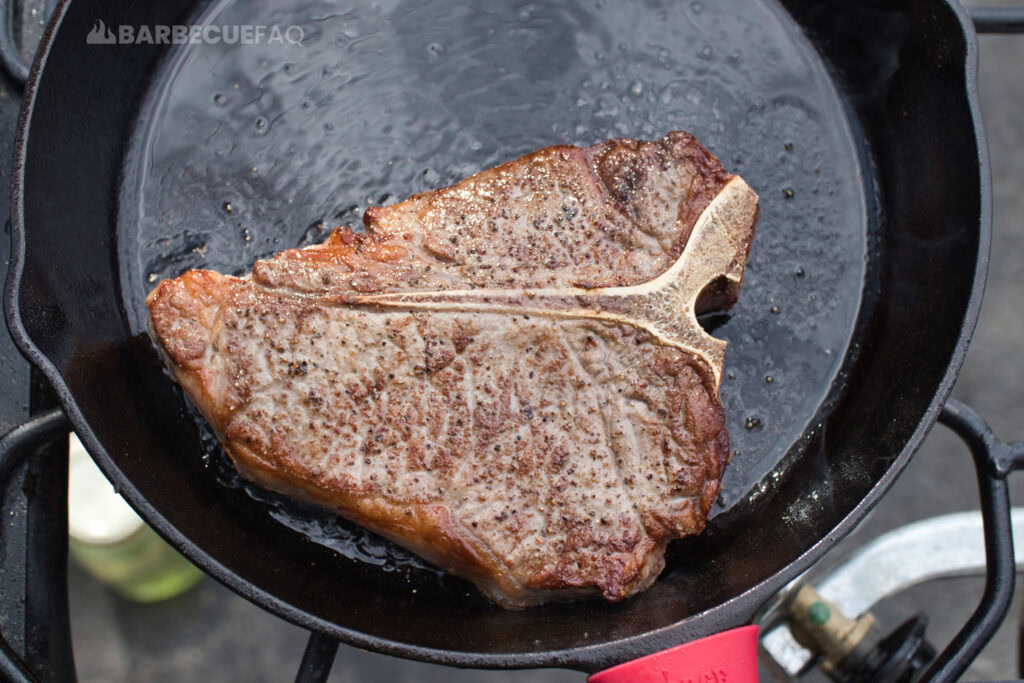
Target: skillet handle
{"x": 33, "y": 549}
{"x": 998, "y": 19}
{"x": 727, "y": 656}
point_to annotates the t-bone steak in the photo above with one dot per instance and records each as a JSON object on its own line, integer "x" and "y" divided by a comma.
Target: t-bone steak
{"x": 505, "y": 376}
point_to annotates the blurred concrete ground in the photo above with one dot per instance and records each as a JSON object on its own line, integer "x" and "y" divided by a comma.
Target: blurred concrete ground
{"x": 212, "y": 634}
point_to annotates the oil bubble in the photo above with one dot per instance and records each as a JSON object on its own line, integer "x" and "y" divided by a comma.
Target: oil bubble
{"x": 435, "y": 50}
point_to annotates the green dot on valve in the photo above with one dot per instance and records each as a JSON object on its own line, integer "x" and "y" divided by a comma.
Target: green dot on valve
{"x": 818, "y": 612}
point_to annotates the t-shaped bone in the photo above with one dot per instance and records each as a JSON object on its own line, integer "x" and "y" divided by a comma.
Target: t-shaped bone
{"x": 666, "y": 307}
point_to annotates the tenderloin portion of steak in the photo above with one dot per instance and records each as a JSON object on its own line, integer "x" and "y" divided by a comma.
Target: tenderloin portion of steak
{"x": 505, "y": 376}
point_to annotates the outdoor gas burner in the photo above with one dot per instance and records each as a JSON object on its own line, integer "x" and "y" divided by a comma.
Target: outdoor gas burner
{"x": 877, "y": 89}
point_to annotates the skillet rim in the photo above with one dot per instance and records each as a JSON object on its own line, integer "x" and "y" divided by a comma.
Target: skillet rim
{"x": 592, "y": 657}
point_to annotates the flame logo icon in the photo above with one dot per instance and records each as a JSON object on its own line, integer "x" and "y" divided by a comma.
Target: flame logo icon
{"x": 100, "y": 35}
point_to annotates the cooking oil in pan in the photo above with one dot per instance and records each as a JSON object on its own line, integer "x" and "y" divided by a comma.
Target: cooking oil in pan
{"x": 245, "y": 150}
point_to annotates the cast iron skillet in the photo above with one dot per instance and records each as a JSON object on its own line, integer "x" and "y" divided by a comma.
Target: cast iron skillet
{"x": 856, "y": 122}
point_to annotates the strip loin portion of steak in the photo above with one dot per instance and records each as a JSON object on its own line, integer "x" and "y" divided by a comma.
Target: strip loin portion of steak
{"x": 505, "y": 376}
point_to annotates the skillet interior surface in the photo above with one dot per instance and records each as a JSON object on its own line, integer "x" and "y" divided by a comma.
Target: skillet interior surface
{"x": 242, "y": 151}
{"x": 393, "y": 98}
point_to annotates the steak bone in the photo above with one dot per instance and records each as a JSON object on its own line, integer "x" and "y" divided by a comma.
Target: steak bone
{"x": 709, "y": 270}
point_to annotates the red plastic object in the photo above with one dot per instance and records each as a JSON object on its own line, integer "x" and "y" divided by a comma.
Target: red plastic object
{"x": 726, "y": 657}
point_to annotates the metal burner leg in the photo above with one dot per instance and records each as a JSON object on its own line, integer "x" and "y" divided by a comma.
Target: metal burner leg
{"x": 14, "y": 448}
{"x": 950, "y": 545}
{"x": 17, "y": 444}
{"x": 318, "y": 659}
{"x": 35, "y": 543}
{"x": 993, "y": 460}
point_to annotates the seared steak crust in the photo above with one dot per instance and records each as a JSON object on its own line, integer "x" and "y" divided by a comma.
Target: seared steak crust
{"x": 531, "y": 428}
